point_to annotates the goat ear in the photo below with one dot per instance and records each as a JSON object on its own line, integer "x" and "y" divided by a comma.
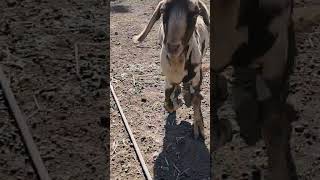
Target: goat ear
{"x": 155, "y": 17}
{"x": 204, "y": 13}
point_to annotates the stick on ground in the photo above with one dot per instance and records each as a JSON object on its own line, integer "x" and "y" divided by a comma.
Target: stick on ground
{"x": 133, "y": 140}
{"x": 27, "y": 137}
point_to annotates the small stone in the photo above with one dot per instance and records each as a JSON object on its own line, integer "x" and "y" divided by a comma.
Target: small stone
{"x": 299, "y": 129}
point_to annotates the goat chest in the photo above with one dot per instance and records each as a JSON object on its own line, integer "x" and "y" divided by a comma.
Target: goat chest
{"x": 178, "y": 70}
{"x": 174, "y": 70}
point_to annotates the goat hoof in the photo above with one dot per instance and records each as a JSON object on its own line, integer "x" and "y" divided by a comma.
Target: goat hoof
{"x": 169, "y": 108}
{"x": 172, "y": 108}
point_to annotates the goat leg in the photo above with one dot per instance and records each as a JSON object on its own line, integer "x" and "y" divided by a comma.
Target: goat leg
{"x": 187, "y": 94}
{"x": 198, "y": 126}
{"x": 172, "y": 102}
{"x": 276, "y": 133}
{"x": 222, "y": 128}
{"x": 246, "y": 105}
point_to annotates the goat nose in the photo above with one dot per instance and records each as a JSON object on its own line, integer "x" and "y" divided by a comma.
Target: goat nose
{"x": 173, "y": 47}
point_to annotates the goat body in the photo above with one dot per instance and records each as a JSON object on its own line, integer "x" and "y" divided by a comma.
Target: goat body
{"x": 184, "y": 39}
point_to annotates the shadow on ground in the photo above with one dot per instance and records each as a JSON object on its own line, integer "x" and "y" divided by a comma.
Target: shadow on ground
{"x": 119, "y": 9}
{"x": 182, "y": 156}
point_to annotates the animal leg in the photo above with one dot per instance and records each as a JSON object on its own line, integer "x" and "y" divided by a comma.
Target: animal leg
{"x": 187, "y": 94}
{"x": 198, "y": 126}
{"x": 246, "y": 105}
{"x": 276, "y": 132}
{"x": 222, "y": 128}
{"x": 172, "y": 102}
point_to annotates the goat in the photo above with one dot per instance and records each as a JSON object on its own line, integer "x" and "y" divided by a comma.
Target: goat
{"x": 184, "y": 37}
{"x": 257, "y": 38}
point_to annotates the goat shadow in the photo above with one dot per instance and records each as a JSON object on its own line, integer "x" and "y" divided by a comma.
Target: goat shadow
{"x": 182, "y": 156}
{"x": 118, "y": 8}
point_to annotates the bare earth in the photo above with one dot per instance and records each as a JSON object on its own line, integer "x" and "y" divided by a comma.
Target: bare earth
{"x": 37, "y": 52}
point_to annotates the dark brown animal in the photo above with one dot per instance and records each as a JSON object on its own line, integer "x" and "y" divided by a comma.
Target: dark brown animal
{"x": 257, "y": 38}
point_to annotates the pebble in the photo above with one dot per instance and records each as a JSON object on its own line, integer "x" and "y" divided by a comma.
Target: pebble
{"x": 299, "y": 129}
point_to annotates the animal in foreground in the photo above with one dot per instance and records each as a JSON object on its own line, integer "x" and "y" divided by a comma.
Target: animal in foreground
{"x": 184, "y": 39}
{"x": 261, "y": 48}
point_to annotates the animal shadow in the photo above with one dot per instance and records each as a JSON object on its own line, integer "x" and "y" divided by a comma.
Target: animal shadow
{"x": 182, "y": 156}
{"x": 119, "y": 9}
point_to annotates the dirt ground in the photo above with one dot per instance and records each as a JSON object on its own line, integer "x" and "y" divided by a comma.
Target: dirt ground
{"x": 37, "y": 43}
{"x": 165, "y": 140}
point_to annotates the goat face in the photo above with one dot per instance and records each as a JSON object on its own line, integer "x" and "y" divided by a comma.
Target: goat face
{"x": 179, "y": 20}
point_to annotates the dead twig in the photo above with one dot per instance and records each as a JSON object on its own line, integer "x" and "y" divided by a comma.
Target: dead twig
{"x": 76, "y": 55}
{"x": 36, "y": 102}
{"x": 311, "y": 42}
{"x": 14, "y": 64}
{"x": 166, "y": 161}
{"x": 116, "y": 154}
{"x": 93, "y": 44}
{"x": 168, "y": 146}
{"x": 179, "y": 139}
{"x": 32, "y": 114}
{"x": 180, "y": 174}
{"x": 114, "y": 145}
{"x": 9, "y": 61}
{"x": 133, "y": 79}
{"x": 37, "y": 110}
{"x": 21, "y": 121}
{"x": 176, "y": 167}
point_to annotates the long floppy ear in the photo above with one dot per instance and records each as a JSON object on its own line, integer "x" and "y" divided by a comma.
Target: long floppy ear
{"x": 204, "y": 13}
{"x": 155, "y": 17}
